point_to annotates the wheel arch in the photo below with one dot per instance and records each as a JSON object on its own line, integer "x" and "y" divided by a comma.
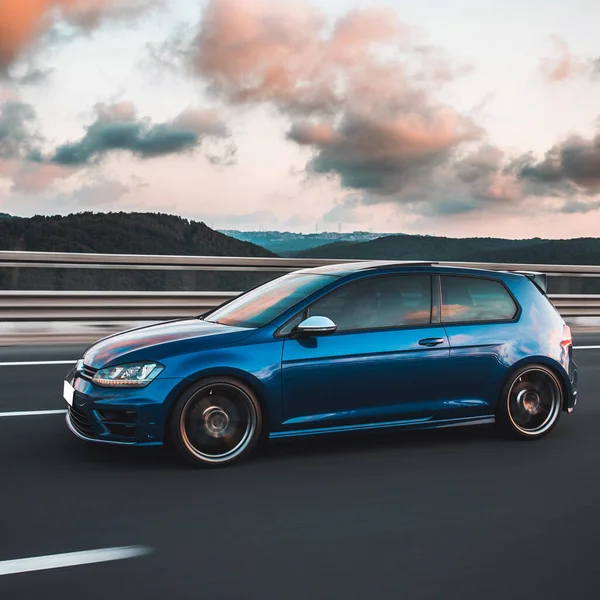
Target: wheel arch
{"x": 249, "y": 380}
{"x": 554, "y": 366}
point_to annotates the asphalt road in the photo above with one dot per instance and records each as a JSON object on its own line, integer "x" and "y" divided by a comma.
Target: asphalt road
{"x": 455, "y": 513}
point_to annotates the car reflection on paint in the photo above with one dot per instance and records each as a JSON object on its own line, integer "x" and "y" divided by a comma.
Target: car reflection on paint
{"x": 357, "y": 346}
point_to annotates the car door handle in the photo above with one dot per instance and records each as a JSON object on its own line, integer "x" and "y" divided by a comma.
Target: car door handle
{"x": 431, "y": 341}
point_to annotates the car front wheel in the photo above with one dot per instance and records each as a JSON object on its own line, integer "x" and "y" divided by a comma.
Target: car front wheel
{"x": 216, "y": 422}
{"x": 531, "y": 403}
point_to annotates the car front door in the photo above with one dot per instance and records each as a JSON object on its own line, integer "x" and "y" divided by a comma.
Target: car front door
{"x": 383, "y": 365}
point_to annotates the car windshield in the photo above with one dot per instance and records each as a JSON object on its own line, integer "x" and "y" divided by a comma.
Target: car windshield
{"x": 263, "y": 304}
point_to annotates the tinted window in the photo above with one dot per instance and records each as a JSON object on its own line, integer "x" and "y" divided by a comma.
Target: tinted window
{"x": 378, "y": 302}
{"x": 474, "y": 299}
{"x": 263, "y": 304}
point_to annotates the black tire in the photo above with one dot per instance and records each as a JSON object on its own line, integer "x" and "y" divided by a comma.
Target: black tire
{"x": 216, "y": 422}
{"x": 531, "y": 403}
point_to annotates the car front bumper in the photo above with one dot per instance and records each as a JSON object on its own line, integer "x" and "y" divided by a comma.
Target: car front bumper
{"x": 130, "y": 417}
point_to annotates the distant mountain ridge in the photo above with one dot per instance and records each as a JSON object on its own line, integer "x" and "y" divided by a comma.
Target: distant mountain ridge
{"x": 285, "y": 243}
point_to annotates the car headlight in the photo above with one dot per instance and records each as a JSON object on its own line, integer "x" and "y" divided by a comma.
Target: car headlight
{"x": 132, "y": 375}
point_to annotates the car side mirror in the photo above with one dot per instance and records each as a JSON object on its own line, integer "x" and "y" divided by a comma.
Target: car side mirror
{"x": 315, "y": 326}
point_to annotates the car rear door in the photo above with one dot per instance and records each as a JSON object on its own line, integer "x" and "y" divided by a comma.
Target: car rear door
{"x": 385, "y": 363}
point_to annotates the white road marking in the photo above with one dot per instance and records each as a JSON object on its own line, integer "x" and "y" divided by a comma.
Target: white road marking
{"x": 32, "y": 413}
{"x": 586, "y": 347}
{"x": 36, "y": 363}
{"x": 70, "y": 559}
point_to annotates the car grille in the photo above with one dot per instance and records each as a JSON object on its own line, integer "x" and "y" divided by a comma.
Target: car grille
{"x": 80, "y": 421}
{"x": 87, "y": 373}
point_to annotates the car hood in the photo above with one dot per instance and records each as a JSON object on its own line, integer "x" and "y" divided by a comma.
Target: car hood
{"x": 156, "y": 341}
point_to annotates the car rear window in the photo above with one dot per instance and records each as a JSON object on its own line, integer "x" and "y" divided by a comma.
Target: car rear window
{"x": 474, "y": 299}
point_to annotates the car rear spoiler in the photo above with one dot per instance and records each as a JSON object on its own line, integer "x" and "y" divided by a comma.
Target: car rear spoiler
{"x": 540, "y": 279}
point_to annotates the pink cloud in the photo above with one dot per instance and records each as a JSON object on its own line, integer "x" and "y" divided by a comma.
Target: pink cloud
{"x": 565, "y": 64}
{"x": 263, "y": 51}
{"x": 200, "y": 121}
{"x": 25, "y": 20}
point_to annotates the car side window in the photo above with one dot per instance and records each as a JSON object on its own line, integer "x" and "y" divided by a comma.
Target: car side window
{"x": 378, "y": 302}
{"x": 466, "y": 299}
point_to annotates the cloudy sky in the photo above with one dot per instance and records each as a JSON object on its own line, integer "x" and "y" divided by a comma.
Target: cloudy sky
{"x": 451, "y": 117}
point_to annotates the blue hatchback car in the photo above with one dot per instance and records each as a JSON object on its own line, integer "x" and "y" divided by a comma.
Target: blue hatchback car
{"x": 355, "y": 346}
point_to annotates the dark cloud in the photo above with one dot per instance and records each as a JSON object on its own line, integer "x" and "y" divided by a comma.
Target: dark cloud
{"x": 384, "y": 155}
{"x": 568, "y": 168}
{"x": 116, "y": 128}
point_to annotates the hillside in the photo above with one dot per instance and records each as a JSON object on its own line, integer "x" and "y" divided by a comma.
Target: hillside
{"x": 286, "y": 243}
{"x": 414, "y": 247}
{"x": 116, "y": 233}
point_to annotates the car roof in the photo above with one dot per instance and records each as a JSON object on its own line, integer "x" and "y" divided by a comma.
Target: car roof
{"x": 349, "y": 268}
{"x": 354, "y": 267}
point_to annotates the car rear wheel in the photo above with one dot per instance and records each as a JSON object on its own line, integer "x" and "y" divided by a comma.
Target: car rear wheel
{"x": 216, "y": 422}
{"x": 531, "y": 403}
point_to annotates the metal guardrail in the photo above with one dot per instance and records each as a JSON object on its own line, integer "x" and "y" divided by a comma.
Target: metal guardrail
{"x": 132, "y": 306}
{"x": 577, "y": 305}
{"x": 75, "y": 260}
{"x": 80, "y": 260}
{"x": 106, "y": 306}
{"x": 159, "y": 306}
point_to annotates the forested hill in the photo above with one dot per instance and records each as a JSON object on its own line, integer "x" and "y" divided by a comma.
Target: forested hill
{"x": 121, "y": 233}
{"x": 415, "y": 247}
